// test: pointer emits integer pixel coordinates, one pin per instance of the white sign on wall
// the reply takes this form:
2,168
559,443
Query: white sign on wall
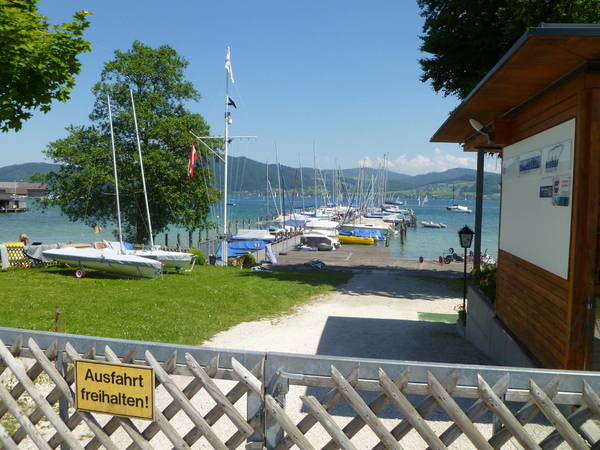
557,157
535,218
510,168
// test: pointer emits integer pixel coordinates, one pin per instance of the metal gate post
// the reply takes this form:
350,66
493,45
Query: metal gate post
276,386
63,403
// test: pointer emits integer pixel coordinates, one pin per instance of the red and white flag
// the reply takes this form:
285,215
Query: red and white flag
193,159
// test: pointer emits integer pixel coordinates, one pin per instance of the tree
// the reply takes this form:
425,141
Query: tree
38,61
81,185
466,38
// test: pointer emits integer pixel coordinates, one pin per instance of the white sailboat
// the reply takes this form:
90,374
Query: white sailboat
457,208
172,261
116,263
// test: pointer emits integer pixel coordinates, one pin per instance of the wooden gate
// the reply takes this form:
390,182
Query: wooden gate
223,399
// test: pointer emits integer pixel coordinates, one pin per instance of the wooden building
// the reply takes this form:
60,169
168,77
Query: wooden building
540,108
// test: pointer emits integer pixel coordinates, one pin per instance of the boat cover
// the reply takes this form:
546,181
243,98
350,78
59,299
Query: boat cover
245,235
237,248
35,251
361,232
107,261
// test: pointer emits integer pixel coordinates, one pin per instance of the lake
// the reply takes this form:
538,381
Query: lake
51,226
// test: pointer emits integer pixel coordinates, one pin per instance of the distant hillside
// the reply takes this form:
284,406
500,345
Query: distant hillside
22,172
247,175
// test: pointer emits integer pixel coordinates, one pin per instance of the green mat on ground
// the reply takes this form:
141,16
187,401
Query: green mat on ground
434,317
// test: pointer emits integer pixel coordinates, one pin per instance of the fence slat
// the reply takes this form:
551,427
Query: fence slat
426,407
475,412
329,401
409,412
37,415
526,415
454,411
247,378
505,416
34,372
38,398
556,418
22,418
377,405
364,411
220,399
185,404
173,408
6,441
317,410
63,387
288,426
15,350
216,413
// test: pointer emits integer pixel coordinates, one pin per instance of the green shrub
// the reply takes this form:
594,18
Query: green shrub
199,254
485,276
245,261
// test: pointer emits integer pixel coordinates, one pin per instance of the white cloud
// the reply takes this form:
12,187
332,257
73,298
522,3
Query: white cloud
438,162
365,162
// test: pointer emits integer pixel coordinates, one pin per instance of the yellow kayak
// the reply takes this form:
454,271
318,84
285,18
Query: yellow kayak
356,240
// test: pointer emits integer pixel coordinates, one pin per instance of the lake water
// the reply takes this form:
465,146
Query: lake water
51,226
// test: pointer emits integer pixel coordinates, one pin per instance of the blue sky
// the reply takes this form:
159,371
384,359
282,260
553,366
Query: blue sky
342,75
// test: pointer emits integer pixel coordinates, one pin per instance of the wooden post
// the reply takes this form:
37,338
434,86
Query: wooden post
191,240
243,224
199,236
166,240
249,224
229,228
217,230
178,242
207,232
401,237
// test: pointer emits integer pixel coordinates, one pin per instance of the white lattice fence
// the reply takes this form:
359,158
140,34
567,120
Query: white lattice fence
209,398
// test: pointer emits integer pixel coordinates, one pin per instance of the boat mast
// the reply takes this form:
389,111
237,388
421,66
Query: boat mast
301,183
227,122
137,135
268,192
315,162
112,140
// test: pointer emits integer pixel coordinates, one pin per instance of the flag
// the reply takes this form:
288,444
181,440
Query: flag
193,159
231,102
228,66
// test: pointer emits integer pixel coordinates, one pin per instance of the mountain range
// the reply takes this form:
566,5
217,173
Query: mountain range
250,176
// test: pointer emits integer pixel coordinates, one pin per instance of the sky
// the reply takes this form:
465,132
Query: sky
339,79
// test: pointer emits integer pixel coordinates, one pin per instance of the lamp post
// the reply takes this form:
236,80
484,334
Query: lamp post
465,236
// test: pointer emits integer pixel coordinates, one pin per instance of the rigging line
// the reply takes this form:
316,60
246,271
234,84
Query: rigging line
241,102
87,202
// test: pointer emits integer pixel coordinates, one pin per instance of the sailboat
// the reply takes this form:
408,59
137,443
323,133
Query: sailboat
121,263
457,208
175,261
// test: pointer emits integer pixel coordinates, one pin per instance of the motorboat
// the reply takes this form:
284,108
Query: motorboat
458,209
106,261
433,225
356,240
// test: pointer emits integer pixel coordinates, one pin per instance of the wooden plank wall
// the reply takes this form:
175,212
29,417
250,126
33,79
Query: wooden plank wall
532,302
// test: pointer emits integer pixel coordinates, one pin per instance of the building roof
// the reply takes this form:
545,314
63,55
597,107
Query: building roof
541,57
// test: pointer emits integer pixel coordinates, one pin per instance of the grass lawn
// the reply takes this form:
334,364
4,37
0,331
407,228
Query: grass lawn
179,308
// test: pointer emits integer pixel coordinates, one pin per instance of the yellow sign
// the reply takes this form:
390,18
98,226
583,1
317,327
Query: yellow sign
117,389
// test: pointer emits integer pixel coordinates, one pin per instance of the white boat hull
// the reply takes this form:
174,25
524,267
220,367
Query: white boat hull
106,261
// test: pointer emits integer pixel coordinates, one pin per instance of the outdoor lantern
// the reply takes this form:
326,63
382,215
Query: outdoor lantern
466,237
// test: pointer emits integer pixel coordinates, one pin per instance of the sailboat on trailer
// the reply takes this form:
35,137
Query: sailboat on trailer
121,263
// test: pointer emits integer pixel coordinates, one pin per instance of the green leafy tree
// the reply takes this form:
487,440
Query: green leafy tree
37,61
466,38
85,180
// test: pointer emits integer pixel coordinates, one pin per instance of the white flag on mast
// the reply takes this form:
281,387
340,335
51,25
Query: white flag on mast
228,65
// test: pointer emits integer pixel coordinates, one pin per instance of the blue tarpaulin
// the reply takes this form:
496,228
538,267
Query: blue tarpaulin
238,248
361,232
